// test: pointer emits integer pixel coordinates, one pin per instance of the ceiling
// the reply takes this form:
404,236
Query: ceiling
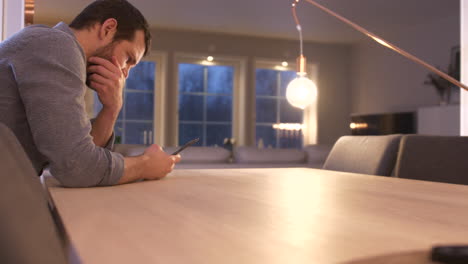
271,18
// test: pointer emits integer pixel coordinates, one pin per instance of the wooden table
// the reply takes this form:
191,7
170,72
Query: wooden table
293,215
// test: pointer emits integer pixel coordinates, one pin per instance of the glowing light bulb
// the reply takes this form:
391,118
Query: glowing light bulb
284,64
301,92
210,58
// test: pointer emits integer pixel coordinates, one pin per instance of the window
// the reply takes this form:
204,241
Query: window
205,103
273,108
136,121
271,81
134,124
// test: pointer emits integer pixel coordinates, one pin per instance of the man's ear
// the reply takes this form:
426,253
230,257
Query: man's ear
108,29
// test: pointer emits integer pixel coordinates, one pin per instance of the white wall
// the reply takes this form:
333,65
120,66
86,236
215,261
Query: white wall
384,81
464,67
333,62
12,18
1,20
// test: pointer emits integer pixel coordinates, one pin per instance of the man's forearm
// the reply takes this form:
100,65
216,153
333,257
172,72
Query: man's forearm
133,171
103,126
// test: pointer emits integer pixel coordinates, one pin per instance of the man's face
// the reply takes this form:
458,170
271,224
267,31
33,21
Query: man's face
127,53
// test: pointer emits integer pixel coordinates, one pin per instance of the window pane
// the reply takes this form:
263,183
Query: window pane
267,134
139,106
141,77
219,108
266,110
118,131
289,113
135,131
98,107
190,77
191,107
266,82
220,79
215,134
290,139
188,132
286,78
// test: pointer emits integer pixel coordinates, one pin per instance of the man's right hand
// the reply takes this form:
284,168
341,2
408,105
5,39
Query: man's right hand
152,165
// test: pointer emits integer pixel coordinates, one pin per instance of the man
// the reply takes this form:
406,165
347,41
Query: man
44,74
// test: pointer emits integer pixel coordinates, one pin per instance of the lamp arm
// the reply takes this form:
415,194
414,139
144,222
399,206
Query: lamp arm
298,26
387,44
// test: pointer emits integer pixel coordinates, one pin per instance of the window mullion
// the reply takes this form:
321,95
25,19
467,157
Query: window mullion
278,109
205,107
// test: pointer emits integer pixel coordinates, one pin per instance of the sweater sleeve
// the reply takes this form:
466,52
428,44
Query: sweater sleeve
51,80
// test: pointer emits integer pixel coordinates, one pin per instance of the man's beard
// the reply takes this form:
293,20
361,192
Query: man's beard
105,52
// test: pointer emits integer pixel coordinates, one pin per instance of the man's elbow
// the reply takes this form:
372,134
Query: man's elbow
76,178
85,170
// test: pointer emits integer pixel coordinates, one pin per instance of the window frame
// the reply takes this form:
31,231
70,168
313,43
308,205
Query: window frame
160,58
2,22
238,89
310,123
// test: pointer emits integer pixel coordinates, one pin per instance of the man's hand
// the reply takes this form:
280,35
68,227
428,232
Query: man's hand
107,79
154,164
158,163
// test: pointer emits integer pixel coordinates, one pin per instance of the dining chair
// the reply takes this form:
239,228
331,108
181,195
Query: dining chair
374,155
433,158
29,233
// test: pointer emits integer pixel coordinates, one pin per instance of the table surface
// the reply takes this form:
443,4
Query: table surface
293,215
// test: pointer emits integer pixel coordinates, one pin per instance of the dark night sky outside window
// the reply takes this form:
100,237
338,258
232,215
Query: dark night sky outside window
205,103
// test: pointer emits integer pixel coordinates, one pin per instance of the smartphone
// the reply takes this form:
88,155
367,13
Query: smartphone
450,254
191,142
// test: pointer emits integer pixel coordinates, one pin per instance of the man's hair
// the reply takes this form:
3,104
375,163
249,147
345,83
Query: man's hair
129,19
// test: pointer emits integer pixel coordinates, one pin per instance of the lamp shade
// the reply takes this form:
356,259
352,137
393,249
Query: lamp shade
301,92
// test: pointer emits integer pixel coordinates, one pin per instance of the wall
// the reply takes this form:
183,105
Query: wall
11,17
384,81
333,76
464,68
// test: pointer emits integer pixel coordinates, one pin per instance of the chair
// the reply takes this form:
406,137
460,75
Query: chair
28,231
317,155
433,158
374,155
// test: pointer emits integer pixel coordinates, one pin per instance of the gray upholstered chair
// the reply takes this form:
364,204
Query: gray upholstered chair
433,158
317,155
374,155
28,231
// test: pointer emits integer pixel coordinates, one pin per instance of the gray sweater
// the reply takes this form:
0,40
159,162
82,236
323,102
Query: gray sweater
42,88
